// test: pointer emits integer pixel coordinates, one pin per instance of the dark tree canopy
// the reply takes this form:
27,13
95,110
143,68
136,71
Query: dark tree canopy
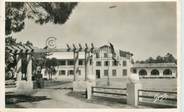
168,58
40,12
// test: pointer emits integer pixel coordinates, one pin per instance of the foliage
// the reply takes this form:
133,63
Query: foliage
50,65
38,58
168,58
40,12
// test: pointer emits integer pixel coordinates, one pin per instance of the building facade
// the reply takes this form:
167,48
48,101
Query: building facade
102,65
105,65
156,70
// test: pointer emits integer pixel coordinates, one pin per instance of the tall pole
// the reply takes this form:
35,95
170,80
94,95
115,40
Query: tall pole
29,67
74,69
108,77
76,60
19,68
86,65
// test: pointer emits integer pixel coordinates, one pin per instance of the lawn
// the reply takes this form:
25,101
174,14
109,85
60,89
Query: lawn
150,84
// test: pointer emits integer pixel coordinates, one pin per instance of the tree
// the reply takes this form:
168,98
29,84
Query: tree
10,59
150,60
169,58
40,12
159,59
50,66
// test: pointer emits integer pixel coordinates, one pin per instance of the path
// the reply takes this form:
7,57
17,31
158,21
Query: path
58,98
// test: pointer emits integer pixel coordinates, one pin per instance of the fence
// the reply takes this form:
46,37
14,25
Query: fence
160,98
104,90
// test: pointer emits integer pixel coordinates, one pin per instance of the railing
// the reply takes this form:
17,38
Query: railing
99,90
10,84
161,98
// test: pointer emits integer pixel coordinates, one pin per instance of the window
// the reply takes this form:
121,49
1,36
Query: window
91,61
62,72
98,74
106,63
124,72
113,72
142,72
98,63
167,72
154,72
70,72
80,62
106,72
105,55
124,63
70,62
115,63
62,62
97,55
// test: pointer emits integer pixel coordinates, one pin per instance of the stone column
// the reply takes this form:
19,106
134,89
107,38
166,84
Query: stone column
161,73
29,67
18,68
89,90
132,93
174,72
88,73
91,78
76,61
148,70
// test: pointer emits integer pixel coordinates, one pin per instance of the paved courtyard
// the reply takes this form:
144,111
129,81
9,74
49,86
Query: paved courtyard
56,97
62,96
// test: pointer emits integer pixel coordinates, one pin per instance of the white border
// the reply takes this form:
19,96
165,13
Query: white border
2,52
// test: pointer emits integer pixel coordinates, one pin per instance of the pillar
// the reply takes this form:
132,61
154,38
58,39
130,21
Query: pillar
76,61
89,90
161,72
18,68
88,66
132,93
148,72
29,67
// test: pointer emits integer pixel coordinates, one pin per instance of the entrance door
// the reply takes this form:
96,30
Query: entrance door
98,74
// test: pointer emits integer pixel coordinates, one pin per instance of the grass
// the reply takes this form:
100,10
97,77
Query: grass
150,84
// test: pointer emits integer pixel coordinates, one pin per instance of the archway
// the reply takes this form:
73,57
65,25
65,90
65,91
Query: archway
155,72
167,72
142,72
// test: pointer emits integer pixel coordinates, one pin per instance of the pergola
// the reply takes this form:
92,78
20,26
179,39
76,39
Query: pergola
18,50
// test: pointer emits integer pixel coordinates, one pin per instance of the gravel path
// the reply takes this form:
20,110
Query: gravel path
57,98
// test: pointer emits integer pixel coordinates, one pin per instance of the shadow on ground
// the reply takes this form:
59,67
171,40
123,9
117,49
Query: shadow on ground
107,101
114,102
11,100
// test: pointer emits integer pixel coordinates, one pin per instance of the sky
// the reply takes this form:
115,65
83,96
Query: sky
146,29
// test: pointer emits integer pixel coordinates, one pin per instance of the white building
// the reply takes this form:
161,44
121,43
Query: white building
101,64
156,70
104,65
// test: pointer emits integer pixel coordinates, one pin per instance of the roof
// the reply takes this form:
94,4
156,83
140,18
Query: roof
118,51
62,54
65,55
152,65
